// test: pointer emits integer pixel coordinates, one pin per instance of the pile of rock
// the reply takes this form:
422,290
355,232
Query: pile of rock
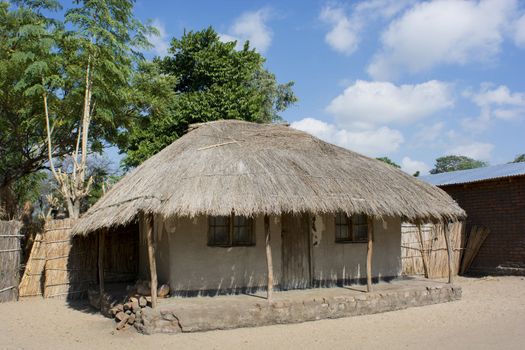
129,312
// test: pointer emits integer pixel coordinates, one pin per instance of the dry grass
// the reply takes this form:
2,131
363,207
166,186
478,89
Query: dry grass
271,169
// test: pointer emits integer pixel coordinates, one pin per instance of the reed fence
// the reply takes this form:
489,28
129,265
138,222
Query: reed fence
64,266
424,250
10,249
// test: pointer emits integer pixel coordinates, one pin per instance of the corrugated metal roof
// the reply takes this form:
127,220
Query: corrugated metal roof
475,175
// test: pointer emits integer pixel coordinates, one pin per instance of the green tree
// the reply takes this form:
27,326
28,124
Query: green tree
519,158
203,79
26,40
453,163
95,63
389,161
65,88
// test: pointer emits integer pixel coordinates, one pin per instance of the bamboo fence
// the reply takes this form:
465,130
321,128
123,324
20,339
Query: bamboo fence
9,260
424,250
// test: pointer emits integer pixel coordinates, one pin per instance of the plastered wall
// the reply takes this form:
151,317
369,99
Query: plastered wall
333,262
187,263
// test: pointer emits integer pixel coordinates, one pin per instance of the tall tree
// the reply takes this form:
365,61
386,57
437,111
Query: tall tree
453,163
207,80
91,86
27,37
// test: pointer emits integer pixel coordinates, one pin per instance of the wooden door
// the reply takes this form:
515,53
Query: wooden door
295,251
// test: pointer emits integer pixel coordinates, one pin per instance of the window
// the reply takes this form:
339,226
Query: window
351,229
230,231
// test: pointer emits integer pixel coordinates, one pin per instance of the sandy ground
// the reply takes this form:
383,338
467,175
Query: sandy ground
491,315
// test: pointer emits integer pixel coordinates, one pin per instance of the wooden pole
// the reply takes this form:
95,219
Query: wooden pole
446,232
269,263
423,251
101,244
369,255
151,258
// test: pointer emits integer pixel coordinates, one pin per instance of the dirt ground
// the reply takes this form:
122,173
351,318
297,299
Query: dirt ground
491,315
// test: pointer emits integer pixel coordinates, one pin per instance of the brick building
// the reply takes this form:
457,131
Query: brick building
493,197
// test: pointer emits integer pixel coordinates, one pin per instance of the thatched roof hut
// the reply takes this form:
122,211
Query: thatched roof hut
230,165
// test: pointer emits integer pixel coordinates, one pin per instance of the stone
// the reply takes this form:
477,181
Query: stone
122,324
193,317
143,302
163,291
143,288
121,316
131,319
135,306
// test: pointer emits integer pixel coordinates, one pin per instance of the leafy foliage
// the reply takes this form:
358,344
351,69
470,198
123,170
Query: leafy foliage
27,38
519,158
389,161
203,79
42,55
453,163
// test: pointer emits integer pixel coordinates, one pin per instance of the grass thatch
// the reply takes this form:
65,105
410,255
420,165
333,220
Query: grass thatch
252,168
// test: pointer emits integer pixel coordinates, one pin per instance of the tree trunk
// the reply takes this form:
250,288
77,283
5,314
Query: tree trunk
8,203
101,244
446,232
151,258
269,263
73,208
369,255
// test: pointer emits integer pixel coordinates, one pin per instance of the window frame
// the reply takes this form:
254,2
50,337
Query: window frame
249,222
351,225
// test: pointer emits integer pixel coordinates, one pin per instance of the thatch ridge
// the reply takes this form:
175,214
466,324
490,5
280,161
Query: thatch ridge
253,169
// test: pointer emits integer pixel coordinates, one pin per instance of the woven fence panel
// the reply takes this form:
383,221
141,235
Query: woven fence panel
70,261
9,260
431,244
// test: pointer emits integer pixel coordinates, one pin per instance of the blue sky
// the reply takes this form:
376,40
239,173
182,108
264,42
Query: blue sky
405,79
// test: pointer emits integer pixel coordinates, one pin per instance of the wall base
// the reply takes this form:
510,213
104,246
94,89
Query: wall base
204,314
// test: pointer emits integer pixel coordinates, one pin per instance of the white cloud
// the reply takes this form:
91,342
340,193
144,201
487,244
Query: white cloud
382,8
442,32
429,133
411,166
251,26
372,103
500,96
476,150
344,35
375,142
161,42
497,102
519,34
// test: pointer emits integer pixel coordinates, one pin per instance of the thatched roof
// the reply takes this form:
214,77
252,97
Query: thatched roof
253,169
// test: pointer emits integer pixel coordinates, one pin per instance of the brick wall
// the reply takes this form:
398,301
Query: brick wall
500,206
